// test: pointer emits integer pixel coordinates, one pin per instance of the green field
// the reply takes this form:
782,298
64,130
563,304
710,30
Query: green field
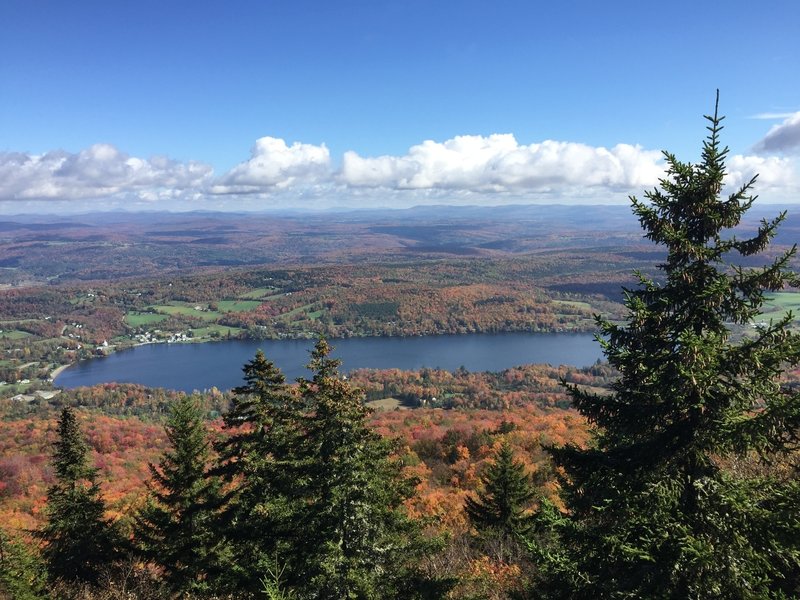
137,319
777,304
574,303
237,305
387,404
296,312
14,335
258,293
187,311
221,331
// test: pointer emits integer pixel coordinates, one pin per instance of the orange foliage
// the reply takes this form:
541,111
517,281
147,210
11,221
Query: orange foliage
120,448
447,450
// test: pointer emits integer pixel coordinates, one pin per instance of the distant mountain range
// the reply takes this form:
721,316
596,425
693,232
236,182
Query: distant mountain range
38,248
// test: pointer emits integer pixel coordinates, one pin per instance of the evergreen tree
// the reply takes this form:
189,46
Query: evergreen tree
21,571
354,539
174,529
79,540
499,511
655,510
315,496
256,459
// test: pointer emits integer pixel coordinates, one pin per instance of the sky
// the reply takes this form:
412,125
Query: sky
301,104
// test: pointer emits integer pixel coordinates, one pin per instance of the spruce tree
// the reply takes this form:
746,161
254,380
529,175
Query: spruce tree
257,461
175,528
655,509
79,541
354,539
500,509
21,571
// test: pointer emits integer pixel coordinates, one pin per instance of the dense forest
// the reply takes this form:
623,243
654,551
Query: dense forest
669,472
437,456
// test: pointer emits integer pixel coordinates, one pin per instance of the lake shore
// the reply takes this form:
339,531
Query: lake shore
58,370
187,367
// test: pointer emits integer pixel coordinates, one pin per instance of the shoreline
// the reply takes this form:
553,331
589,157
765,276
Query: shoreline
177,368
113,349
57,371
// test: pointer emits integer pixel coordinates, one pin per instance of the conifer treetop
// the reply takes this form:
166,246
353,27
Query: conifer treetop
654,508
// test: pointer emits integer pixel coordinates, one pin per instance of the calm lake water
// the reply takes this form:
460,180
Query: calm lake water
202,366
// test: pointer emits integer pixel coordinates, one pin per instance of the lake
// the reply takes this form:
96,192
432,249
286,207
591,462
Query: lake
219,364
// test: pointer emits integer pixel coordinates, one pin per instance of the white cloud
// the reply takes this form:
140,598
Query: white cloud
776,175
782,138
274,165
771,116
498,163
100,171
469,169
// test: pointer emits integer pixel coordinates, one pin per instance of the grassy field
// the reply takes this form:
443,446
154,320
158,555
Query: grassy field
237,305
137,319
14,334
779,303
11,389
187,311
258,293
295,312
387,404
573,304
219,330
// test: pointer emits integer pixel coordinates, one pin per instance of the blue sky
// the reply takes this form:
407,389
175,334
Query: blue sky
311,104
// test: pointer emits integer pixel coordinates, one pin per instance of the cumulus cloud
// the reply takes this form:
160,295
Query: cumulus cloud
784,137
774,173
468,169
274,165
97,172
498,163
